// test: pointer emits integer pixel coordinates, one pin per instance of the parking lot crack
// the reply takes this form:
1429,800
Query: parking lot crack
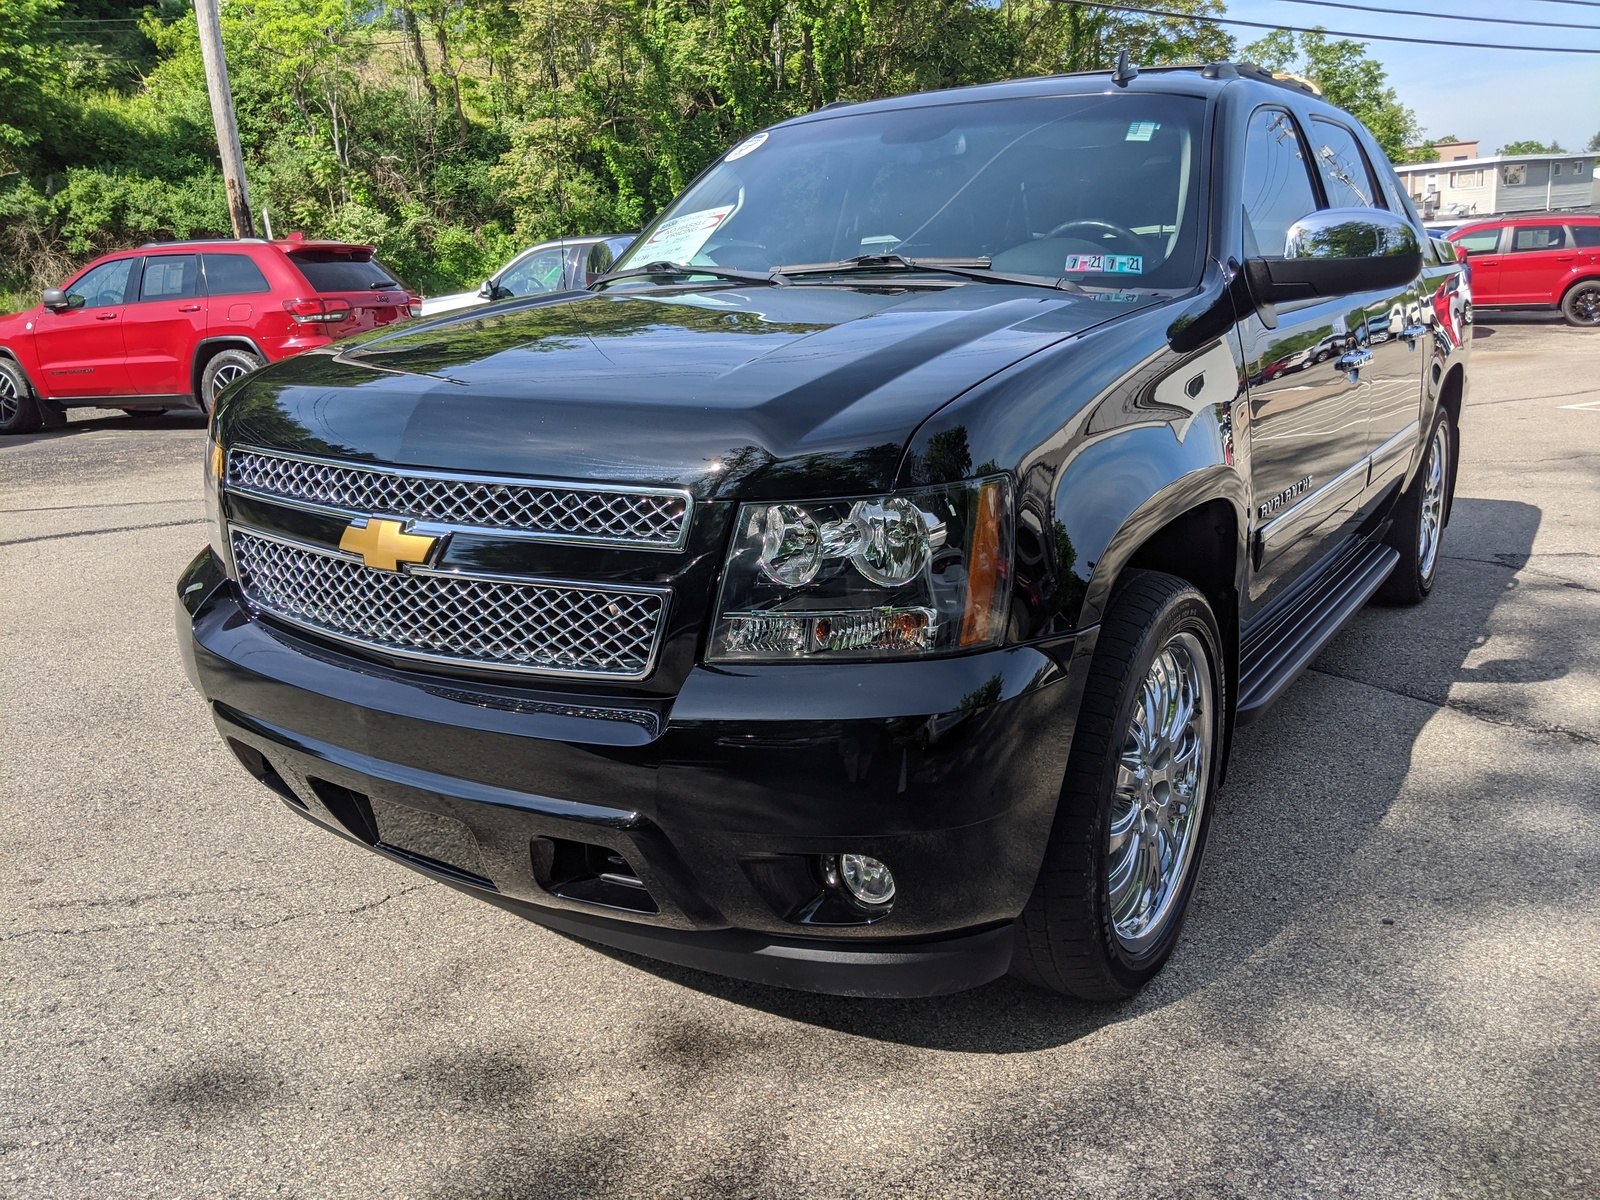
1477,712
1519,563
77,533
230,922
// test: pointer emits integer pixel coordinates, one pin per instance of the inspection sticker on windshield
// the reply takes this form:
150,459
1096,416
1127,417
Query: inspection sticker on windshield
680,239
1106,264
1142,131
745,147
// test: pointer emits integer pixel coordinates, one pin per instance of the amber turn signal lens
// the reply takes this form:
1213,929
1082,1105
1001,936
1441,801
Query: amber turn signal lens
984,573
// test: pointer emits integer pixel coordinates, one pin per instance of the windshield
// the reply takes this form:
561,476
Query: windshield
1099,189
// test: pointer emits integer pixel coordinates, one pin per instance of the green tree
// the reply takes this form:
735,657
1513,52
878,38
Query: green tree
1594,143
1348,78
1532,147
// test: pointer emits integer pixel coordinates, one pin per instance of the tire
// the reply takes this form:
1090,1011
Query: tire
1581,305
1085,930
1419,519
223,368
21,410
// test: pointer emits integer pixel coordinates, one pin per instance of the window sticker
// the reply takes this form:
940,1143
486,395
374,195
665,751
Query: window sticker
1114,297
882,243
1106,264
680,239
745,147
1142,131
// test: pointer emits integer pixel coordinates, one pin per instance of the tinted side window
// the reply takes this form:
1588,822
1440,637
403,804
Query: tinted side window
1484,241
1537,237
1277,184
1343,166
1587,236
170,277
233,275
102,287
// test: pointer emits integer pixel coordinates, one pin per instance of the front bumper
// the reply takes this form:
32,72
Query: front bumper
719,799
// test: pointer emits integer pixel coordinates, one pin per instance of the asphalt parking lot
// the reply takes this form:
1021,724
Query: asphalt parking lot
1390,988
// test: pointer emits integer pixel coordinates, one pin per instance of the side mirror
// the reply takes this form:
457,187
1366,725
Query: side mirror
487,291
1338,252
56,300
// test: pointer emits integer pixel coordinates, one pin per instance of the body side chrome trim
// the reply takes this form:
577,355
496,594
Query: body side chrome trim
1280,532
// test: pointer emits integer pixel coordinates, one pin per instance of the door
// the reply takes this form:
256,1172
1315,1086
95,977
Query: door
1307,414
1537,258
164,324
1393,351
80,348
1483,255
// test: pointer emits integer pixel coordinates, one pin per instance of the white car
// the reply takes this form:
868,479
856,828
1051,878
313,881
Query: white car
547,267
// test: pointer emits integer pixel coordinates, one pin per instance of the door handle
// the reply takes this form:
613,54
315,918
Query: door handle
188,308
1352,362
111,316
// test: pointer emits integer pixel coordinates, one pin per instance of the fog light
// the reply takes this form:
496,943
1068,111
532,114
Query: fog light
867,879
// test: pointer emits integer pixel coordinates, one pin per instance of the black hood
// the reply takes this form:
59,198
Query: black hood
734,392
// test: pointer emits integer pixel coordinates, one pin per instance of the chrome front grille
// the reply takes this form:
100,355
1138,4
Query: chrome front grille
645,518
454,619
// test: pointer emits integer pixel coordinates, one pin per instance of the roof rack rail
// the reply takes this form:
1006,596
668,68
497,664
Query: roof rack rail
1296,83
203,242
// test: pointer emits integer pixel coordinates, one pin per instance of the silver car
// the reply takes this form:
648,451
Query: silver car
547,267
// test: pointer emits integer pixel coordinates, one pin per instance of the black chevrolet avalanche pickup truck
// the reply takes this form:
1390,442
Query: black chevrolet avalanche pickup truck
857,588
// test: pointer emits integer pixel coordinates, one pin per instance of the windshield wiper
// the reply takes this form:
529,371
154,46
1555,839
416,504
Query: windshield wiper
672,270
978,269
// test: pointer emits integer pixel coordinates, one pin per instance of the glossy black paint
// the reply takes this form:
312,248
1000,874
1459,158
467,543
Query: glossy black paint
1134,428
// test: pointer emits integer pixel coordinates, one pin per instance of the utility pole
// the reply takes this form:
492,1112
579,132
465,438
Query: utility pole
222,115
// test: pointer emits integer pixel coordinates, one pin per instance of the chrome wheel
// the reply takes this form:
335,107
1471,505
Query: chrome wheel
10,400
1162,779
1431,517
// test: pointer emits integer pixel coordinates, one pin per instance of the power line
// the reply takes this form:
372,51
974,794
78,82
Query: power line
1342,33
1404,12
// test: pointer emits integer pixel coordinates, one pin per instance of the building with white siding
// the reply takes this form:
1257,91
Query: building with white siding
1509,183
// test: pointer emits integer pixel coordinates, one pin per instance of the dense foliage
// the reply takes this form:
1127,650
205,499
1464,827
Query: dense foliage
451,133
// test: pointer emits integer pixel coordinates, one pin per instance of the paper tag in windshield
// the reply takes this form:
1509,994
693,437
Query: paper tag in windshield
1142,131
1106,264
680,239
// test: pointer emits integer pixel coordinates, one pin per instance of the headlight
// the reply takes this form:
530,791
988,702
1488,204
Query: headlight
915,573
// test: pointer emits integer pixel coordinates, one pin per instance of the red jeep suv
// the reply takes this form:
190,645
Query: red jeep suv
171,324
1546,260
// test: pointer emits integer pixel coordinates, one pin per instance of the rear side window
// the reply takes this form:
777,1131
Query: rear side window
1277,184
335,271
1587,236
170,277
1537,237
233,275
1343,166
1484,241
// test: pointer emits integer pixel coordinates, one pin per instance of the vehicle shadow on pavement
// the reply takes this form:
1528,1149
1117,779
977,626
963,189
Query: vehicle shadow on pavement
1306,792
97,420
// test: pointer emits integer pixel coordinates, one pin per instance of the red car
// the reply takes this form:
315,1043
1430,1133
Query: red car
171,324
1547,260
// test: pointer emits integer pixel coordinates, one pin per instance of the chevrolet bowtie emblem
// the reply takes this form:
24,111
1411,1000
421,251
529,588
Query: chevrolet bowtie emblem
384,545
